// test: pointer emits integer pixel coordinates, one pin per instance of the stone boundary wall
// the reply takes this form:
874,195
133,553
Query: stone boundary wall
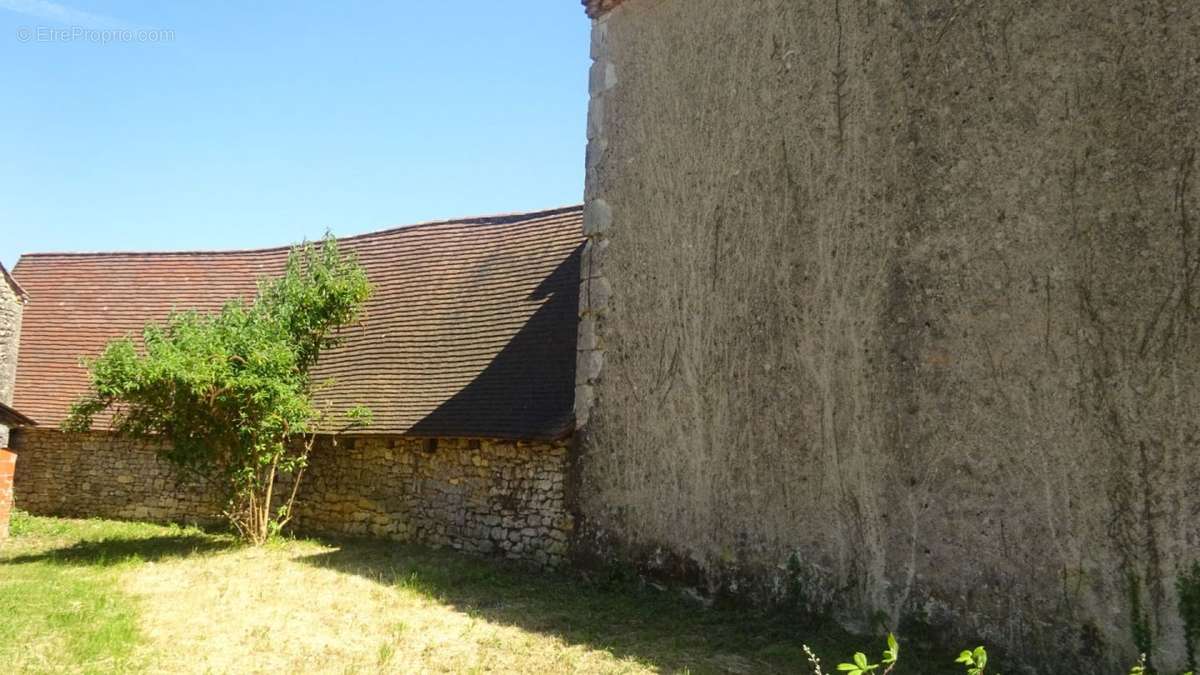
98,475
489,497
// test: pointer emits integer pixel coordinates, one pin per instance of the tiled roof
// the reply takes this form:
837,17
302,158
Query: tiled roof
470,331
597,7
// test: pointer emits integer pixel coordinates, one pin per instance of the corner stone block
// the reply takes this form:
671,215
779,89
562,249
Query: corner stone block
597,217
593,258
595,118
587,334
588,365
599,47
601,77
594,295
584,396
594,153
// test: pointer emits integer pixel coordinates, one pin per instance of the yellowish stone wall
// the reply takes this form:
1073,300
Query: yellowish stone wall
490,497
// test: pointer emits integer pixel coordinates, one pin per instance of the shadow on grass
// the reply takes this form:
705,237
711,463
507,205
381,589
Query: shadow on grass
655,627
117,550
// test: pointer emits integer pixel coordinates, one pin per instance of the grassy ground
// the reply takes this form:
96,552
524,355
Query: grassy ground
101,596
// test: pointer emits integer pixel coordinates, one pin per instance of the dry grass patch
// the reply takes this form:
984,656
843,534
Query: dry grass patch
97,596
268,610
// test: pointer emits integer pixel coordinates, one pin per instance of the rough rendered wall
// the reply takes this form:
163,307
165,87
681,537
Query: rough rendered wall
10,336
908,291
494,497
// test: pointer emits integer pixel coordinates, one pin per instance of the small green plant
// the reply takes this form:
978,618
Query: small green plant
1188,588
861,665
1139,620
975,660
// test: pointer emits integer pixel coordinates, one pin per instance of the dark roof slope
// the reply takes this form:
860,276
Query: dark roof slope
470,332
12,418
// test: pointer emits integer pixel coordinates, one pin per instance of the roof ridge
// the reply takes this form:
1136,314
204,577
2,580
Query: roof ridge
489,219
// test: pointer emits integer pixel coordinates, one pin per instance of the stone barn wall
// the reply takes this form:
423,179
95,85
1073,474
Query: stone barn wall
98,476
10,336
493,497
490,497
906,294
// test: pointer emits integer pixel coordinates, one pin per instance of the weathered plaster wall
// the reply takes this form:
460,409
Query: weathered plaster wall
10,336
907,291
491,497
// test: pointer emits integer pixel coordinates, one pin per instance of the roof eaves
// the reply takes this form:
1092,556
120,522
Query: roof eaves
11,417
13,284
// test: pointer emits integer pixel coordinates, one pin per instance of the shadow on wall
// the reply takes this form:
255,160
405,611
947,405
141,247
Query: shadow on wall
528,390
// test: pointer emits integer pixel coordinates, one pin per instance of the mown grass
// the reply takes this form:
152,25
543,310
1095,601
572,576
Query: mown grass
99,596
60,606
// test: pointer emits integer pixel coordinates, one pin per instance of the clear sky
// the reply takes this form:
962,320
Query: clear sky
262,123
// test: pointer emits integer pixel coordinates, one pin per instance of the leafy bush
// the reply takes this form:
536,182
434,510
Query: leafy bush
231,391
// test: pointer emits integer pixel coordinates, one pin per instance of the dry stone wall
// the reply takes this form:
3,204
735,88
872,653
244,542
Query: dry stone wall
501,498
98,475
491,497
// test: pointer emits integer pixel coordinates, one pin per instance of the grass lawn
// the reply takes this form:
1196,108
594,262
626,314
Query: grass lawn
102,596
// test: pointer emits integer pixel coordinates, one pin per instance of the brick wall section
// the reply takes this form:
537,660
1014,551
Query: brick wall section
8,462
490,497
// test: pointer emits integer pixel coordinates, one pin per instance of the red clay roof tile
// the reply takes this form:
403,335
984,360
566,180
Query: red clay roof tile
470,332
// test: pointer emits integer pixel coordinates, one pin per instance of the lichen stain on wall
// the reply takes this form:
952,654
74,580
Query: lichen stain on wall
909,290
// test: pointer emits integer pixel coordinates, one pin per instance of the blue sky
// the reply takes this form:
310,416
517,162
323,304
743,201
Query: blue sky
262,123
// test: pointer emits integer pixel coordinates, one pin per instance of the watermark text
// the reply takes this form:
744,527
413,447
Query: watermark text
101,36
